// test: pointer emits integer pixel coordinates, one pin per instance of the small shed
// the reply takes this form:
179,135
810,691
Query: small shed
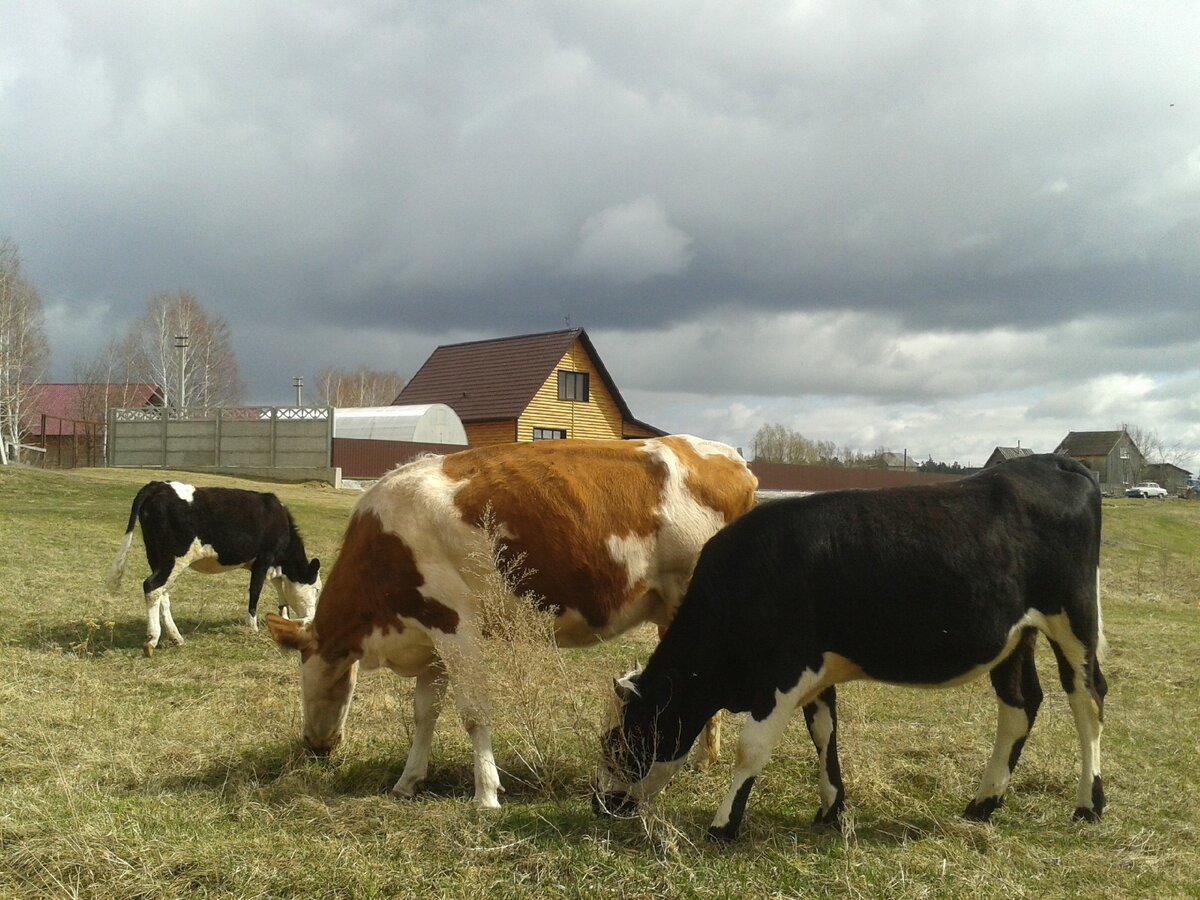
430,423
1001,454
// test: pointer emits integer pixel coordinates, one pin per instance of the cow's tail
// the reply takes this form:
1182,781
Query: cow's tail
117,570
1101,641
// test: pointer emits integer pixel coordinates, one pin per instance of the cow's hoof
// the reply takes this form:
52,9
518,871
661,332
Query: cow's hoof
830,818
406,791
1083,814
981,810
725,834
147,650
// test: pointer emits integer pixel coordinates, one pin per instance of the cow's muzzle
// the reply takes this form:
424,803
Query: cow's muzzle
321,750
613,804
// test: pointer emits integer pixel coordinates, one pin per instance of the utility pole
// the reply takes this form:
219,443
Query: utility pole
181,343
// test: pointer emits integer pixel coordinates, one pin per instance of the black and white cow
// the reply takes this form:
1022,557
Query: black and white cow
922,586
215,530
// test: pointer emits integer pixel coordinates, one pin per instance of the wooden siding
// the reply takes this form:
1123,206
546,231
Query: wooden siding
630,430
598,420
482,433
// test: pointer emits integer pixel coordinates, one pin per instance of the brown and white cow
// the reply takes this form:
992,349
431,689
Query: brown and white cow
609,532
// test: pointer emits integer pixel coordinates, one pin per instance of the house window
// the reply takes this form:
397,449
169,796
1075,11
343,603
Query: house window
549,434
1124,453
573,386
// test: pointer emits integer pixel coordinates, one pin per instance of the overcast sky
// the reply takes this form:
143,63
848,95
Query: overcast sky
938,227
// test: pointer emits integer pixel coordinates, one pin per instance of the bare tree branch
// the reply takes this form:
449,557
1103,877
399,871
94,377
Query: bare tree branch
361,387
24,349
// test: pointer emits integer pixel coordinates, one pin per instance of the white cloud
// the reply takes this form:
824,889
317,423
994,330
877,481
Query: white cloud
630,243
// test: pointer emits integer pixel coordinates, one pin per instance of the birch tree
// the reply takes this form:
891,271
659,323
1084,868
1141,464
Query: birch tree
361,387
24,350
210,370
105,381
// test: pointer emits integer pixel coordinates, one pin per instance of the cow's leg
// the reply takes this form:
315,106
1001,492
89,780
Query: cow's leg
258,577
1018,695
168,619
759,738
462,654
277,584
708,748
427,704
156,590
821,718
1079,671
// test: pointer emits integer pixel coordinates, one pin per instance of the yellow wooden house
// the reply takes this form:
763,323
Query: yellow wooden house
527,388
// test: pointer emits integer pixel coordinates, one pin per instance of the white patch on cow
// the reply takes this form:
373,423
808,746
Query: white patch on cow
407,651
299,597
664,561
203,558
660,773
822,732
634,552
186,492
707,448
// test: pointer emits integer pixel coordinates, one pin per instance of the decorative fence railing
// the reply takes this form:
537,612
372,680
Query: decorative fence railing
267,437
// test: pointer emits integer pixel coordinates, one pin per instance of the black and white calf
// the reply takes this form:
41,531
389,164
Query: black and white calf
923,586
215,530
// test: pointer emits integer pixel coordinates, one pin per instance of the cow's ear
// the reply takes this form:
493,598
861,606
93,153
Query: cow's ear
289,634
625,687
314,568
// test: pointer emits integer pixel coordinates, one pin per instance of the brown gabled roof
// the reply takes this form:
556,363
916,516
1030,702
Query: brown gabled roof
1089,443
494,380
1011,452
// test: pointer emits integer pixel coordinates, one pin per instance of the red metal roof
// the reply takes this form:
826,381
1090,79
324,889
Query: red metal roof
64,402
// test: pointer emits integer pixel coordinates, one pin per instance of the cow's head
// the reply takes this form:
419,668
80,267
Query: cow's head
326,688
300,591
629,741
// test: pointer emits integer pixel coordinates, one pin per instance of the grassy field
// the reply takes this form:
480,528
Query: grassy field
182,775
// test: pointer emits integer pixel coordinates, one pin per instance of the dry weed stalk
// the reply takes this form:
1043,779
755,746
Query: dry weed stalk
527,679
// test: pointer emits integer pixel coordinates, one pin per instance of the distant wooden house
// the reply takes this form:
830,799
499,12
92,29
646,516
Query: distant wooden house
1168,475
1000,454
527,388
893,461
1113,457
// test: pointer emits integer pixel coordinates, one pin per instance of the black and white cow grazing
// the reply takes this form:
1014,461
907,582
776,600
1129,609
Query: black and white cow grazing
923,586
214,530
